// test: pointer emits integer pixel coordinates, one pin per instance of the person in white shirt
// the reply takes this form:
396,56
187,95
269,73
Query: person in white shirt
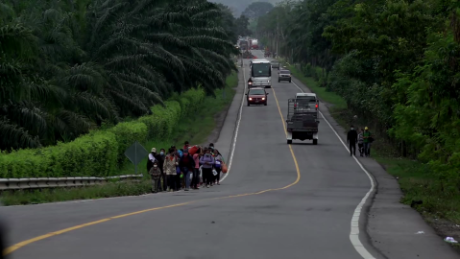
152,159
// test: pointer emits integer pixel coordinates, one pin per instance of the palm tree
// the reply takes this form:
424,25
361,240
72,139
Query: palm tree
67,67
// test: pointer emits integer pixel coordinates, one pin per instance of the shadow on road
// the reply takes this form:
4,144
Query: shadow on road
303,144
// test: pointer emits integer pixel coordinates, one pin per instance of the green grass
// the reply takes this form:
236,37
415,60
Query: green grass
419,183
111,189
416,180
195,129
329,97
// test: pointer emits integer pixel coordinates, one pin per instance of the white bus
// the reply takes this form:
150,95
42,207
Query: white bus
261,73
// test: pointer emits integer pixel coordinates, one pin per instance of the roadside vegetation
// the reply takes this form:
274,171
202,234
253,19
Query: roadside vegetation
82,80
394,64
187,129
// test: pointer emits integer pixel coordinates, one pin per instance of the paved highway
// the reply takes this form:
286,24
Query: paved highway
278,201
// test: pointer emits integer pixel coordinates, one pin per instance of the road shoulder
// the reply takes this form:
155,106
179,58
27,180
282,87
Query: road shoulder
224,142
391,227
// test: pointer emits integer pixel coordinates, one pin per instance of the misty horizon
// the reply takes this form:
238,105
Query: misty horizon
238,6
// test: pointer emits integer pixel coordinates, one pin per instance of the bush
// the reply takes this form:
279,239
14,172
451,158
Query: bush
308,70
196,98
101,152
126,134
94,154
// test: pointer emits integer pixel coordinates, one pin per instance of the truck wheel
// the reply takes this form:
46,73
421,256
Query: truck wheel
289,141
315,142
279,81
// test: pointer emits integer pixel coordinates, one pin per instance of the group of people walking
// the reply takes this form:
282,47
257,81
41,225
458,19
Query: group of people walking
190,167
363,138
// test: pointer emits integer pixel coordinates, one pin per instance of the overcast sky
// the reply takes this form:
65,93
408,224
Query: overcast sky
238,6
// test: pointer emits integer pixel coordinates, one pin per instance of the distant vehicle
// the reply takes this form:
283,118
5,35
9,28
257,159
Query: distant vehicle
261,73
284,75
244,45
301,123
257,95
275,64
254,44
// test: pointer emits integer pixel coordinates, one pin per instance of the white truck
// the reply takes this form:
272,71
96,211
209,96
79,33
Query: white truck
254,44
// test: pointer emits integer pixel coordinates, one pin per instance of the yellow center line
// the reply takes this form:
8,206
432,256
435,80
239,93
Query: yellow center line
19,245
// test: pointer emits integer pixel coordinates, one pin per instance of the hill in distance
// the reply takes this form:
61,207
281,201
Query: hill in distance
238,6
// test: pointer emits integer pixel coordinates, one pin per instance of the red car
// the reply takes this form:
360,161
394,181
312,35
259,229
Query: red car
257,95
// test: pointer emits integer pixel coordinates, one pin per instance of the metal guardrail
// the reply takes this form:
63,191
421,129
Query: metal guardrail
49,182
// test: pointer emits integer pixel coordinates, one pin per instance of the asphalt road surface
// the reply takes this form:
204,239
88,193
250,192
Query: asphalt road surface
278,201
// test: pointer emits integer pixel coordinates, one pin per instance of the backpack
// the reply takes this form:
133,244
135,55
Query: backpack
181,153
218,164
185,160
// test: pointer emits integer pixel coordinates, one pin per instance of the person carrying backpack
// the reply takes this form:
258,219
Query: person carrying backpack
218,166
360,142
367,136
207,161
187,164
169,168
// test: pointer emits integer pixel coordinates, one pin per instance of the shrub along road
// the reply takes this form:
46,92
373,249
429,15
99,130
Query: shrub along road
278,201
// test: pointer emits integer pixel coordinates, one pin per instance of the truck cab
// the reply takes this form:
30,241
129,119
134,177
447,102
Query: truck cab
307,103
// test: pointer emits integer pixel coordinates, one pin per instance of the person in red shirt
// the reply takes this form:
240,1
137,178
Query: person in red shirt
186,146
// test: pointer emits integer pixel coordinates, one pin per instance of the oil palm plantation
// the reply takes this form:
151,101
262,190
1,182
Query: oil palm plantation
68,67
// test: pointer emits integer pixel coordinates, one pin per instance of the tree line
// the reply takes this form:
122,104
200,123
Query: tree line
67,67
396,63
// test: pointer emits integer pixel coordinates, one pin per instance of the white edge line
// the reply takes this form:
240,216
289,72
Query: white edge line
232,152
354,232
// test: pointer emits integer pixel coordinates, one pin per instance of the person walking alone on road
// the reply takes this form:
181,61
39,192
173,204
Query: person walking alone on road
352,137
187,164
169,169
218,166
367,141
196,170
360,141
207,161
155,173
